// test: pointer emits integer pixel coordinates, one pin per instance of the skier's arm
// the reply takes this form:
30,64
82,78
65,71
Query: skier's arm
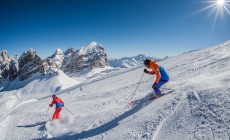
62,102
52,103
151,72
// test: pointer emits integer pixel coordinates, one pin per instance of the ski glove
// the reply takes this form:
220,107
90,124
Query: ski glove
50,105
145,70
154,85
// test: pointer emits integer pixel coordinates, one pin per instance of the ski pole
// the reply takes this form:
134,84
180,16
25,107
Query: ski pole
47,111
137,85
69,111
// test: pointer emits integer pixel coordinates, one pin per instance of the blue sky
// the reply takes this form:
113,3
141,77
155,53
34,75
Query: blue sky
124,27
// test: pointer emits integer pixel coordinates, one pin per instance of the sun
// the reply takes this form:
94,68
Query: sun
220,2
218,8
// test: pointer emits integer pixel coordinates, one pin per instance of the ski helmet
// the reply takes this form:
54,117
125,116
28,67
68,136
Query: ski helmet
146,62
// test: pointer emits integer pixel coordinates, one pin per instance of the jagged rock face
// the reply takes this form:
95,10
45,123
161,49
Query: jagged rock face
8,66
70,61
91,56
4,56
14,69
4,64
29,63
55,61
69,52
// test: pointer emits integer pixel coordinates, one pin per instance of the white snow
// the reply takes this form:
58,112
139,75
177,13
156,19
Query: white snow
198,109
91,74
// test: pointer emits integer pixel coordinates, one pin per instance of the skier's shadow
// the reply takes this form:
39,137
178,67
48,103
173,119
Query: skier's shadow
107,126
32,125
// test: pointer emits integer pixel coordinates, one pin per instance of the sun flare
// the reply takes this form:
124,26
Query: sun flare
218,8
220,2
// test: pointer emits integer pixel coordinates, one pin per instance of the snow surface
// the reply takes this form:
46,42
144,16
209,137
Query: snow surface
92,74
198,109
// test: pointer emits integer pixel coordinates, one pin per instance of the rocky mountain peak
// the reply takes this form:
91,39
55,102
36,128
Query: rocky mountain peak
70,61
90,56
29,63
4,55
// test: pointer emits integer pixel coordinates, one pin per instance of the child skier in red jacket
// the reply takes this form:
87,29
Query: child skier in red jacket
59,104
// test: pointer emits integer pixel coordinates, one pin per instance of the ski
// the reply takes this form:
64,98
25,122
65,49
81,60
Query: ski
151,97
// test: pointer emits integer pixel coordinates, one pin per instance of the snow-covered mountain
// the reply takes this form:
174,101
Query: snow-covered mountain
70,61
24,67
126,62
88,57
9,66
197,109
57,58
68,54
29,64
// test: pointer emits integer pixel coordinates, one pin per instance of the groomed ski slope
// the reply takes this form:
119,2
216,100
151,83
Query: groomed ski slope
198,109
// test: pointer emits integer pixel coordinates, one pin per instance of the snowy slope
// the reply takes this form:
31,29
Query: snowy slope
92,74
198,109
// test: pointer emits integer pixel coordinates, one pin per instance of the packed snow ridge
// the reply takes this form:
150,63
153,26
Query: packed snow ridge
198,108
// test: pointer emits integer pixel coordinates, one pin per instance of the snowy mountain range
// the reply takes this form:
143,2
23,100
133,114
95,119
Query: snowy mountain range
197,107
70,61
126,62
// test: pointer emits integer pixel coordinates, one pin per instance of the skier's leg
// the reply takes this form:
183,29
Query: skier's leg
58,113
157,91
161,82
157,88
55,114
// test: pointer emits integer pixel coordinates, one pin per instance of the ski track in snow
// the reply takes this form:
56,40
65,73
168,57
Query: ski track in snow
14,117
198,109
33,100
17,106
165,119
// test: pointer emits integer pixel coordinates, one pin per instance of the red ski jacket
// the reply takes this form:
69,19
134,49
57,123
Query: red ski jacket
58,102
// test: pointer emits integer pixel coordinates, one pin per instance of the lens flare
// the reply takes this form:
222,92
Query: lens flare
218,8
220,2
